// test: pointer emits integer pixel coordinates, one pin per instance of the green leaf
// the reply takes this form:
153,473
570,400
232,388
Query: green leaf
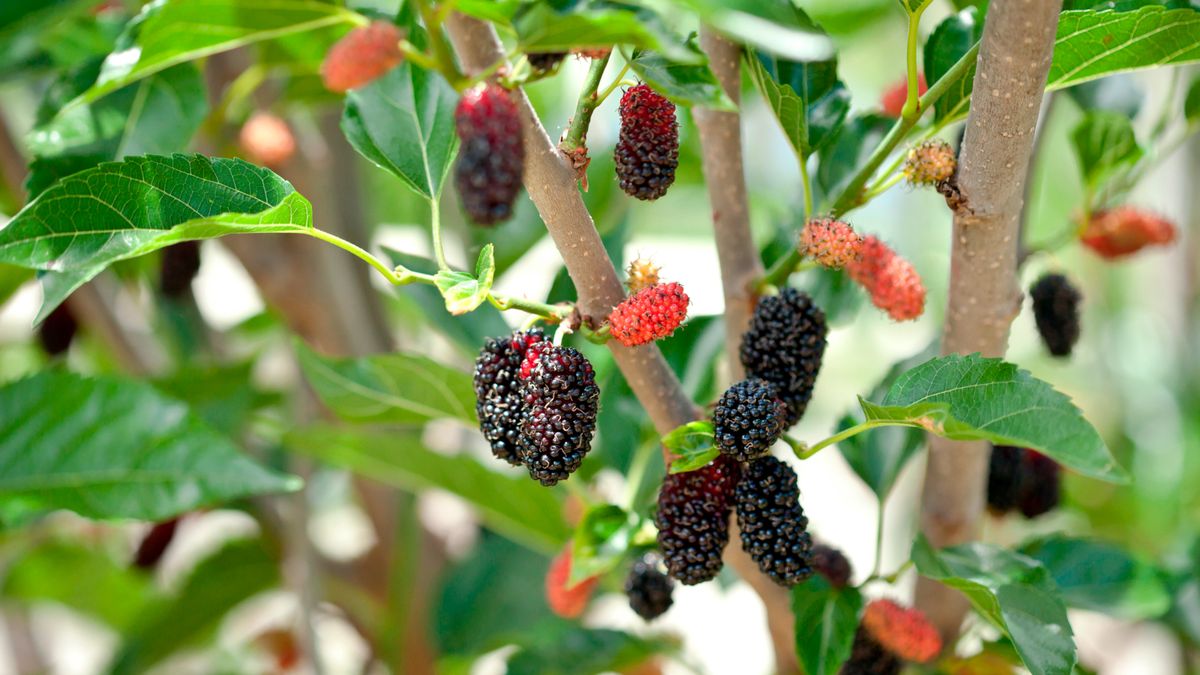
1117,93
222,395
1092,44
498,11
120,210
1103,142
389,388
826,620
684,83
170,33
947,44
559,27
974,398
848,150
601,541
233,574
568,649
513,505
157,115
1191,103
777,26
11,279
404,123
807,98
1014,593
110,448
693,443
87,580
1102,577
462,291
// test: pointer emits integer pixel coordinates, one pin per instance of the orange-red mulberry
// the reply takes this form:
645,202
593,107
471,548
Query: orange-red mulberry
652,313
362,56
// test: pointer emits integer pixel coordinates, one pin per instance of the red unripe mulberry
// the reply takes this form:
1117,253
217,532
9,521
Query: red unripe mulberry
892,101
267,139
647,151
362,56
831,243
893,283
907,633
652,313
567,601
491,158
1124,230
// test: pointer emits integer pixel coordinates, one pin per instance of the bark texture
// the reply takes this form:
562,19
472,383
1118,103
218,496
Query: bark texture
1014,57
741,266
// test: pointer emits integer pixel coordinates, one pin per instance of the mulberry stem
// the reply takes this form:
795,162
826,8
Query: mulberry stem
588,102
805,452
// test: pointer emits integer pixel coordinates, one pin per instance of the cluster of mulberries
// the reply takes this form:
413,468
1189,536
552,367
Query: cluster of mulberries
58,330
1056,312
1022,479
771,521
565,600
693,519
544,62
892,282
536,403
784,346
832,564
362,56
648,589
889,635
267,139
1125,230
930,163
491,157
647,150
650,314
748,419
892,101
830,242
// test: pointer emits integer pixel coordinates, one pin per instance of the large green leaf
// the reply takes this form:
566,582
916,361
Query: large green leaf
1092,44
1013,592
87,580
157,115
1102,577
778,26
121,210
24,24
111,448
684,83
842,157
1104,142
389,388
404,123
973,398
513,505
170,32
808,99
952,39
602,539
826,620
548,27
239,570
567,649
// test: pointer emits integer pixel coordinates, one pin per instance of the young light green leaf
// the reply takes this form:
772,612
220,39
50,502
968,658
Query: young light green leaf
120,210
1102,577
157,116
807,98
684,83
111,448
1095,43
551,27
693,443
601,540
239,570
948,43
513,505
826,620
170,33
464,292
1103,142
973,398
389,388
404,123
1014,593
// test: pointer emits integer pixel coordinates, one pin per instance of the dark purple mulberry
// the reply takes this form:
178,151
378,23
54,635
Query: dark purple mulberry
693,520
868,657
559,415
1004,478
748,419
491,158
785,345
832,564
544,62
773,526
1041,486
648,589
1056,312
179,266
647,151
498,399
58,330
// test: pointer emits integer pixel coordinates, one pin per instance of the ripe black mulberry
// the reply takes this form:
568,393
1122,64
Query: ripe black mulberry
498,399
693,520
648,589
748,419
558,419
491,158
1056,311
785,345
772,523
647,150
